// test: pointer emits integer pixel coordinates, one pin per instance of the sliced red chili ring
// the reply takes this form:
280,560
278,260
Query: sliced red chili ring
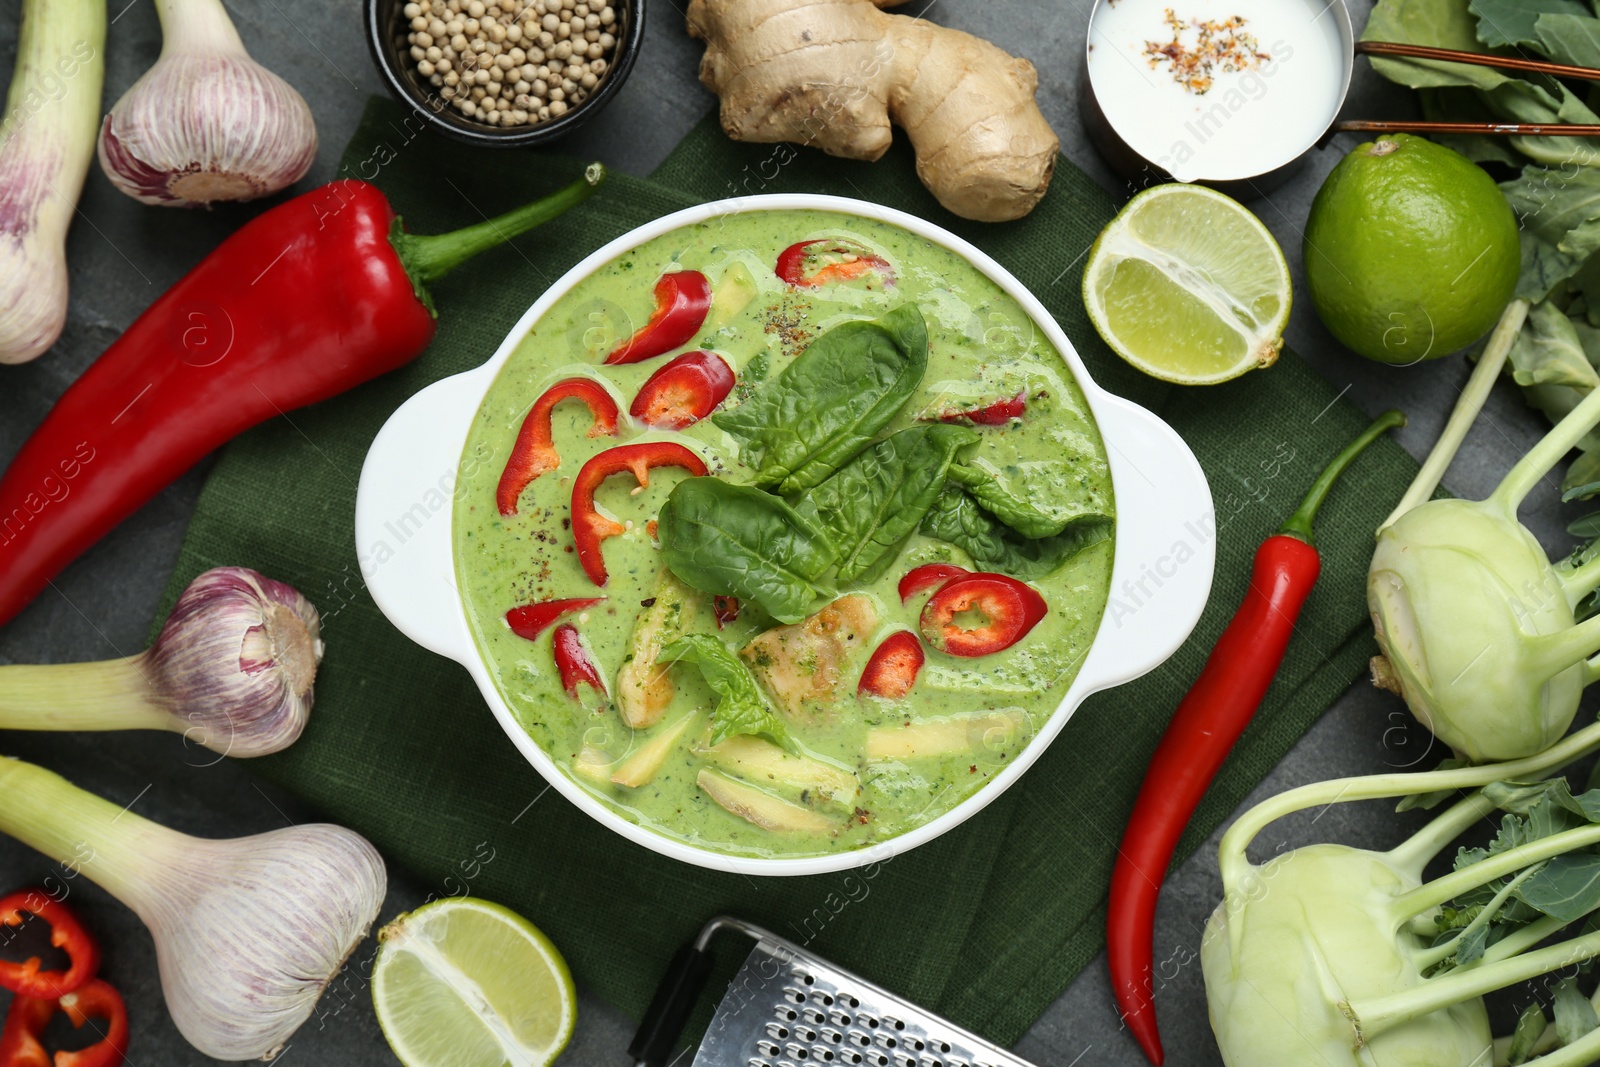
892,670
794,261
682,300
574,663
531,620
589,527
1008,610
21,1043
997,413
684,391
67,933
535,451
928,576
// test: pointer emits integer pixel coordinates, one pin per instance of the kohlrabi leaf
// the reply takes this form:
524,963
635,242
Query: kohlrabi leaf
1568,888
1582,479
1507,23
1568,37
1575,1015
1548,352
1530,1027
1558,209
741,706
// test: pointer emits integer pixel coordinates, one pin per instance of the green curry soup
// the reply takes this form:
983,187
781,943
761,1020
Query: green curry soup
854,770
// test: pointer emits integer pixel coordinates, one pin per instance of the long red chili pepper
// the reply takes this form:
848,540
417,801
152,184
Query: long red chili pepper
535,449
855,261
682,300
684,391
306,300
531,620
589,527
66,933
21,1042
574,663
1208,721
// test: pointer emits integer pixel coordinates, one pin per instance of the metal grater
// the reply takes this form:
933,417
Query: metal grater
788,1008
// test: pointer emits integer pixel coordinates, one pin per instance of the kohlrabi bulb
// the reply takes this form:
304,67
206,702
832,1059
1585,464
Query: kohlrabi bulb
1476,629
1285,954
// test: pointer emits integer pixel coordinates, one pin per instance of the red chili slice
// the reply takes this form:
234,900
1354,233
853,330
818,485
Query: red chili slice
531,620
682,300
998,413
574,662
684,391
589,527
21,1043
1009,609
892,670
535,451
794,261
725,609
928,576
66,933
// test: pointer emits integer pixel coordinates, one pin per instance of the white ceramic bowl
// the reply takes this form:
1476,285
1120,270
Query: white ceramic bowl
1159,583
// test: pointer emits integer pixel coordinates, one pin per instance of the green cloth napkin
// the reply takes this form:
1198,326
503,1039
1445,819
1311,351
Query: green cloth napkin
988,923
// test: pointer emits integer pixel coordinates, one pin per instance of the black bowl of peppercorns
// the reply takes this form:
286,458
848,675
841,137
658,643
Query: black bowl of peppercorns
504,72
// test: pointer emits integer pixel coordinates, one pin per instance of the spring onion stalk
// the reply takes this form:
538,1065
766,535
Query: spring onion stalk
46,142
248,931
1342,956
231,670
1479,631
207,122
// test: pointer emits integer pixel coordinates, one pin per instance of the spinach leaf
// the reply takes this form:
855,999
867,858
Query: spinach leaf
735,540
832,400
958,518
875,501
741,706
1030,515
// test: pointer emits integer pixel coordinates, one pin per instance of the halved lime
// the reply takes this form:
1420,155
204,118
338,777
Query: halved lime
1188,286
462,982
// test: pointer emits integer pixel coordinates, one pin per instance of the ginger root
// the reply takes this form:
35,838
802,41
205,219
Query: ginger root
833,74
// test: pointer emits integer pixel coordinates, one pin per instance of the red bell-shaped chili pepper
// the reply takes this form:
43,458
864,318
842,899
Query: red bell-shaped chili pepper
305,301
535,451
589,527
682,300
892,670
67,933
531,620
21,1043
684,391
1009,608
997,413
809,264
1210,718
928,576
574,663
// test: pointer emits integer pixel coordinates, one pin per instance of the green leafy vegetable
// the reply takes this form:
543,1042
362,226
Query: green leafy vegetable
1045,512
1508,23
741,706
958,518
735,540
1530,1027
1575,1016
876,500
832,400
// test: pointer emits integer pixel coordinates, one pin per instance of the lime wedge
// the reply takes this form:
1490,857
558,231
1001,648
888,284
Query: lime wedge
465,983
1188,286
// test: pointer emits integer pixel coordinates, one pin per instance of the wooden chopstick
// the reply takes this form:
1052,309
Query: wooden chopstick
1451,55
1477,59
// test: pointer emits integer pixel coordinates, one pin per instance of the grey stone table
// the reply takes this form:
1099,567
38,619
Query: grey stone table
123,255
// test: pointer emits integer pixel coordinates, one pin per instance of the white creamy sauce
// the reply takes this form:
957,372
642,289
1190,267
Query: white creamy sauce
1249,121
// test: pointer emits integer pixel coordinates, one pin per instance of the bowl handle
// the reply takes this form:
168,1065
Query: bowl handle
1166,545
404,507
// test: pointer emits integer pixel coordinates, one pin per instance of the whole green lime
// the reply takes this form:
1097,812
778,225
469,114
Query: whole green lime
1411,250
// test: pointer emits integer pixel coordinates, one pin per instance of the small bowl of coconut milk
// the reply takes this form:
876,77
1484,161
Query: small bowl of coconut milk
1228,93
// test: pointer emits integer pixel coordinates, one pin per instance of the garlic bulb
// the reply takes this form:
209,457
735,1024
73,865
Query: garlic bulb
207,122
249,931
232,670
46,142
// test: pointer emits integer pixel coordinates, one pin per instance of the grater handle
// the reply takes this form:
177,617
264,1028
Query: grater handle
669,1009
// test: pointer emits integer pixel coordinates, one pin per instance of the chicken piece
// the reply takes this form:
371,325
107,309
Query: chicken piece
644,687
803,663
